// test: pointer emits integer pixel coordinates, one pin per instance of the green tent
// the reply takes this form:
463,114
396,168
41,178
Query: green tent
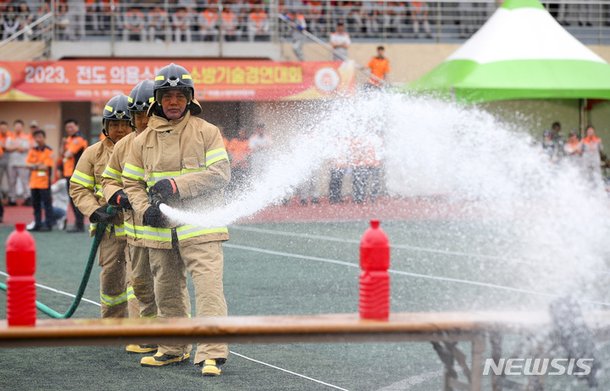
521,52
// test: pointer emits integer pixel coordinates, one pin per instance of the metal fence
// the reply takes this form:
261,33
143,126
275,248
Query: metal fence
234,20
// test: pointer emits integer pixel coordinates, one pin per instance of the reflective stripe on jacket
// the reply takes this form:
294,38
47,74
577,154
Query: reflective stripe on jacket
86,184
189,150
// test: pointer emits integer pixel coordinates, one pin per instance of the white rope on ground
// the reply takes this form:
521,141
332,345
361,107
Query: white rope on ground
290,372
533,262
231,351
417,275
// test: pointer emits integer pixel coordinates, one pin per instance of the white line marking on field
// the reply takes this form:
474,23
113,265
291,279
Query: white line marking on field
408,383
232,352
400,272
529,262
290,372
48,288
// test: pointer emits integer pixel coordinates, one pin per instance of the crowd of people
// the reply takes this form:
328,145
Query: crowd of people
586,152
30,172
190,20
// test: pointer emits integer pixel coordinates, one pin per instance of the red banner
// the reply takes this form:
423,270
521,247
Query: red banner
91,80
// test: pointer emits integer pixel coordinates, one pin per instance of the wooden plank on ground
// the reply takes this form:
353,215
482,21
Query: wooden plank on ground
435,326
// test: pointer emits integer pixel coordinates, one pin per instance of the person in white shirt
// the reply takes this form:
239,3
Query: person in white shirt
340,42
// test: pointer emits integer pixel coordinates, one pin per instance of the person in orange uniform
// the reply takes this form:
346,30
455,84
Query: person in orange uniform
73,147
379,67
40,162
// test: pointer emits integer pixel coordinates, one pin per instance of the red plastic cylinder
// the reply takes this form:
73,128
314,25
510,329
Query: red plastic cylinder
21,285
374,278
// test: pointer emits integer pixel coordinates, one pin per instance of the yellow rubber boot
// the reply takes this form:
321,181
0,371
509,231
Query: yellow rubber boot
211,368
161,359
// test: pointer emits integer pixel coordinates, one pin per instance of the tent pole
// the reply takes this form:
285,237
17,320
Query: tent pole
582,103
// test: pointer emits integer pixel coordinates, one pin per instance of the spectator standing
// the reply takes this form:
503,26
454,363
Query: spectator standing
26,18
10,22
258,25
208,24
419,15
340,41
229,24
76,13
73,147
157,23
18,146
553,143
592,149
239,151
181,23
379,67
63,21
298,25
573,147
40,162
59,196
4,136
134,25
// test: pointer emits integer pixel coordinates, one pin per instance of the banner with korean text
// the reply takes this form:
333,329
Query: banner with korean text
99,80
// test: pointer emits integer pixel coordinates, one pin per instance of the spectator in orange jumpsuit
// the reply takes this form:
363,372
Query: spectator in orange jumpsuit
379,67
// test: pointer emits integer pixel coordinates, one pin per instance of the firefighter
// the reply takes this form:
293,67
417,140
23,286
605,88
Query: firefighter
180,160
139,100
86,192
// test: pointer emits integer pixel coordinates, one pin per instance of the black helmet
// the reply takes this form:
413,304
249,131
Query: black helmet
116,108
141,97
174,76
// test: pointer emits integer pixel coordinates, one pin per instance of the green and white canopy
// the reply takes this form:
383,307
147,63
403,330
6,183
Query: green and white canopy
521,52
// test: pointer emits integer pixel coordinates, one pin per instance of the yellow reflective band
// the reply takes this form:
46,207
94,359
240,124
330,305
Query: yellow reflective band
215,155
160,77
133,172
129,99
187,76
82,179
119,230
157,176
111,301
151,99
149,233
108,108
130,293
111,173
191,231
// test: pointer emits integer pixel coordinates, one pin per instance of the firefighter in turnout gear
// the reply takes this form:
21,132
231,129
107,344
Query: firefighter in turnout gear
181,161
86,192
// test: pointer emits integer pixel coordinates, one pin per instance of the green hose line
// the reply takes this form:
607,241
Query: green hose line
99,234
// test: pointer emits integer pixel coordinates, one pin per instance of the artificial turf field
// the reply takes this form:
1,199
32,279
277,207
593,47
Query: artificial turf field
294,268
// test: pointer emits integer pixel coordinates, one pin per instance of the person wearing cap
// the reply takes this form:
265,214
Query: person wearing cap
141,278
86,192
181,161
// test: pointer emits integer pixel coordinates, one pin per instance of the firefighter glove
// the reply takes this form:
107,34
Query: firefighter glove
154,217
165,190
101,215
120,199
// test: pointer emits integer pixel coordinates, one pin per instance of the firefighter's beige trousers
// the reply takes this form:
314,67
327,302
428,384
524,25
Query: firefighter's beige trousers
142,281
116,296
204,262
